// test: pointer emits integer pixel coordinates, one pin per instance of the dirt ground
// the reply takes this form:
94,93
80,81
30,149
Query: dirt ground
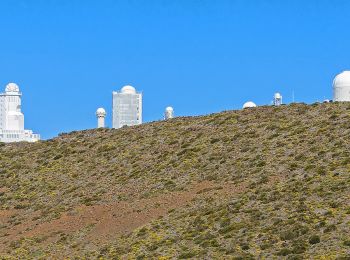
108,220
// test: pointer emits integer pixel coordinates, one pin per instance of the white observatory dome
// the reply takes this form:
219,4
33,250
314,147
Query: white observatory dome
100,112
128,90
249,104
341,87
12,87
277,95
169,113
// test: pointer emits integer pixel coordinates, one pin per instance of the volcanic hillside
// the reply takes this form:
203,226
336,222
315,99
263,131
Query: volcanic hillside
268,182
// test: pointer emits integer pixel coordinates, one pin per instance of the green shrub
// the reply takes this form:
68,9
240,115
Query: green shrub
284,252
314,239
186,255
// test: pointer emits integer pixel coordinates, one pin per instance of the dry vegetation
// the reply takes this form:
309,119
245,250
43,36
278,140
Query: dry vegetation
270,182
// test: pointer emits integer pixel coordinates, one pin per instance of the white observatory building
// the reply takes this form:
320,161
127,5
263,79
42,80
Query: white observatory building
127,107
101,116
169,113
277,99
12,118
341,87
249,104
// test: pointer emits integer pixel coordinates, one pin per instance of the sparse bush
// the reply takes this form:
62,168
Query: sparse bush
314,239
284,252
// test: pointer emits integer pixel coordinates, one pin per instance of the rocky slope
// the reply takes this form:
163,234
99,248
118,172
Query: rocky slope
268,182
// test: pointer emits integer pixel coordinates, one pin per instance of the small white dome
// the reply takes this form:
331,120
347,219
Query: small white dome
341,87
128,90
101,112
12,87
249,104
169,113
277,95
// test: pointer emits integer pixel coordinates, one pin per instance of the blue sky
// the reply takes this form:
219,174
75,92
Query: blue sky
200,56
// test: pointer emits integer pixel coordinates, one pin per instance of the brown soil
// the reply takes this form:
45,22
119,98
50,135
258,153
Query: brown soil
113,219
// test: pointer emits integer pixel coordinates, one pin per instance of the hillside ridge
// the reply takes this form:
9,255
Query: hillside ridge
267,182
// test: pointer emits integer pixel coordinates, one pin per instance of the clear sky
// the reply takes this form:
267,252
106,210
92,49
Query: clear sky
199,56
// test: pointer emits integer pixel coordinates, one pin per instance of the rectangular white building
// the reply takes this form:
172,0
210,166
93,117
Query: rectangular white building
12,118
10,136
127,107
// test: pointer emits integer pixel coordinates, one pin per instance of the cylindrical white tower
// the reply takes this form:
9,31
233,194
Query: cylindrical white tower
13,116
169,113
101,115
249,104
341,87
277,99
